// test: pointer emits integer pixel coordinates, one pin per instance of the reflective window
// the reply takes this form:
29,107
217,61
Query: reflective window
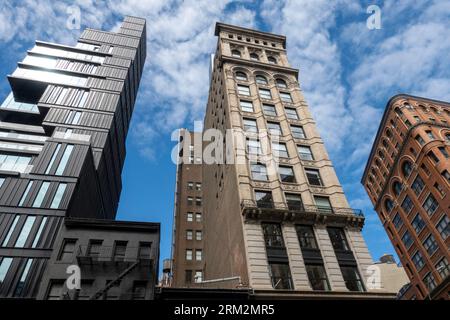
11,103
306,237
50,77
41,194
305,153
39,232
10,232
58,195
285,96
64,160
23,278
261,79
259,172
298,132
265,94
243,90
241,76
338,239
25,232
4,267
286,174
17,163
269,110
25,194
274,128
280,150
317,277
250,125
443,227
291,113
52,160
67,54
246,106
281,83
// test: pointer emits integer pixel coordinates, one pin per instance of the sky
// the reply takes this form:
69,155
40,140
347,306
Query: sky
348,72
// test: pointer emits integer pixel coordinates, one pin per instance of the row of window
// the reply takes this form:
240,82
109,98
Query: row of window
190,201
317,276
274,128
95,249
25,231
11,103
190,235
264,199
198,186
198,276
266,94
5,265
286,174
253,56
190,217
279,150
430,205
198,254
37,203
249,39
260,79
268,109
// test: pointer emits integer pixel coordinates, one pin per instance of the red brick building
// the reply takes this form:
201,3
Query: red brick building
407,178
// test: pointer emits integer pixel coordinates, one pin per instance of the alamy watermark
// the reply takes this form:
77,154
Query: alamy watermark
373,22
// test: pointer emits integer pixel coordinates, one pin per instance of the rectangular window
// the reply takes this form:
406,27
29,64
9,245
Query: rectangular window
286,174
39,232
120,249
443,228
420,140
306,237
269,110
443,152
407,204
285,96
274,128
25,194
55,290
190,185
418,224
397,221
446,175
9,162
280,150
441,267
430,244
273,236
64,159
190,201
280,275
246,106
253,147
430,205
198,186
430,134
68,248
317,277
94,248
25,232
5,264
58,196
352,278
294,201
188,276
305,153
243,90
76,118
188,234
198,255
52,160
265,94
139,290
429,281
323,204
189,217
198,201
338,239
313,176
418,185
291,113
259,172
41,194
407,240
11,230
418,261
198,276
298,132
198,217
250,125
23,278
198,235
145,250
188,254
264,199
433,157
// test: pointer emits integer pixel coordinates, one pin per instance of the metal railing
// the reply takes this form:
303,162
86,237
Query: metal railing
89,254
300,208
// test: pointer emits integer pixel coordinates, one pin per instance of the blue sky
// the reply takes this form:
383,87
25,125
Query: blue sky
347,73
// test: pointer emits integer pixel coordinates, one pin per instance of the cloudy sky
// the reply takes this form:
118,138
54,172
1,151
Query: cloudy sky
347,73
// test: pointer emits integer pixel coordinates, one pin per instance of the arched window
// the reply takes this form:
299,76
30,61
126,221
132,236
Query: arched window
388,204
281,83
447,137
241,76
397,187
384,143
406,168
377,163
261,79
381,155
272,60
236,53
254,57
388,133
